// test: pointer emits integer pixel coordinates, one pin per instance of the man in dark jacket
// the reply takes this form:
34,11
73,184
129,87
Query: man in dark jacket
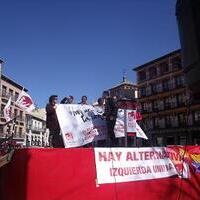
110,114
55,139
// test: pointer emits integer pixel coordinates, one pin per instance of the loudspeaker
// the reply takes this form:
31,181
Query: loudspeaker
188,18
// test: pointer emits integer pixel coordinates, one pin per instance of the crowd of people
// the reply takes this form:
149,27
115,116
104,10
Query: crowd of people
107,103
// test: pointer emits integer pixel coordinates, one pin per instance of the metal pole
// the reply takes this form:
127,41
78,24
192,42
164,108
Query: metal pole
125,128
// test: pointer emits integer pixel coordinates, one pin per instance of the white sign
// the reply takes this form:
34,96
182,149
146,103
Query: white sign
115,165
80,124
131,124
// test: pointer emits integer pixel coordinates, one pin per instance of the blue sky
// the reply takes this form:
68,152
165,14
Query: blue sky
82,47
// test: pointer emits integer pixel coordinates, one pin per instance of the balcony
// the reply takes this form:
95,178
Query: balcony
7,95
35,128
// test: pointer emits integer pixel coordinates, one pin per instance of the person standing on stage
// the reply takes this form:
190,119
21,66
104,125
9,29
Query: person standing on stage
65,100
110,114
55,139
83,100
71,99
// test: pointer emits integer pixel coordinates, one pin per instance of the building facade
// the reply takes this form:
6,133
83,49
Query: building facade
36,132
124,90
29,129
169,114
10,88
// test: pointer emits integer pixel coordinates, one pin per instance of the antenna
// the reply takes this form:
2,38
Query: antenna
124,75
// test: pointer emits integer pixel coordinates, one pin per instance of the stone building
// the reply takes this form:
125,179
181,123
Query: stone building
169,114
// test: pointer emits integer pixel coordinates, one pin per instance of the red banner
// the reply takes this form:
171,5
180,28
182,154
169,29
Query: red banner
50,174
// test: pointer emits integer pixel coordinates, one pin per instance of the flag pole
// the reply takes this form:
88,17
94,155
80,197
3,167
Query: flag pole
125,127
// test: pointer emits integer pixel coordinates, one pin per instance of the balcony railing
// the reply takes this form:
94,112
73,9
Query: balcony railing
34,128
18,118
8,95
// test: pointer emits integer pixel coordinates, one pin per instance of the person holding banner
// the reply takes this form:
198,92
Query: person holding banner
67,100
55,139
83,100
110,114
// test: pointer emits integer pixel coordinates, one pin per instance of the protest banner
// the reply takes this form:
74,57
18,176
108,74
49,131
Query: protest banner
126,122
117,165
80,124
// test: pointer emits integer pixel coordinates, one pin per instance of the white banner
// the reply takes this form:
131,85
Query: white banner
80,124
115,165
131,124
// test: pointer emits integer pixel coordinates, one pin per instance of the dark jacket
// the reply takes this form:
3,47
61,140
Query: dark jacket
110,109
52,120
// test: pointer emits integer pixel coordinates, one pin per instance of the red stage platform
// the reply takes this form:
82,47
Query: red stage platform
69,174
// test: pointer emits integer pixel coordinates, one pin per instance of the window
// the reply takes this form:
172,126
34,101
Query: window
152,72
2,107
174,121
164,67
170,140
155,105
167,103
190,119
180,81
142,75
173,102
144,107
166,84
16,95
149,107
172,83
149,124
161,123
142,91
21,115
1,129
181,118
15,112
182,140
160,105
176,62
20,131
148,90
181,99
154,88
15,131
197,116
4,90
168,121
10,93
159,141
156,122
159,87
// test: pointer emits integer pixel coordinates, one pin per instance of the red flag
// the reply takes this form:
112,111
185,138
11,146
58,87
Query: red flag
138,116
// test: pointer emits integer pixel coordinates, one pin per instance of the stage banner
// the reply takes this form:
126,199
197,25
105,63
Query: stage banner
80,124
115,165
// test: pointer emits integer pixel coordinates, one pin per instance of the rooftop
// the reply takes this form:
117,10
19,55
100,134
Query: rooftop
12,82
156,60
124,82
39,113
